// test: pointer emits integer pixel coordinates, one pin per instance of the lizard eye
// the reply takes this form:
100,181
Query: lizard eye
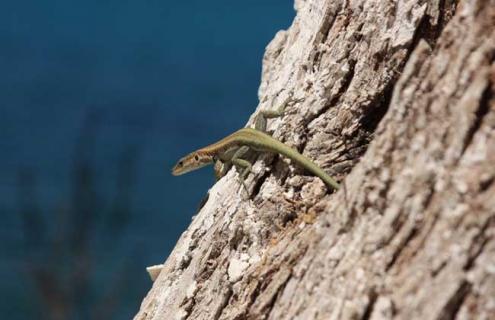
196,157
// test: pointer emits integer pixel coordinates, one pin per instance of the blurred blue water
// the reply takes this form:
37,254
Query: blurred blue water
160,77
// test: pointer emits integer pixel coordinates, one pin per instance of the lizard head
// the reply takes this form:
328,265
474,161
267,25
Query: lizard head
192,162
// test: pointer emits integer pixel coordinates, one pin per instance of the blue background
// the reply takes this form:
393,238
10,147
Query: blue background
98,99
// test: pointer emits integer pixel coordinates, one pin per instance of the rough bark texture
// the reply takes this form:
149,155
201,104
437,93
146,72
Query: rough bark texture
397,102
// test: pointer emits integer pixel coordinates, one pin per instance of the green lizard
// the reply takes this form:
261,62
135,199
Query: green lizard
230,151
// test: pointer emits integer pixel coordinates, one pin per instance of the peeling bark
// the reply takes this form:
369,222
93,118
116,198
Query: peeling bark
396,100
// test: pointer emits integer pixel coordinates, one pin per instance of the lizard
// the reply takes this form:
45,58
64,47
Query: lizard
230,151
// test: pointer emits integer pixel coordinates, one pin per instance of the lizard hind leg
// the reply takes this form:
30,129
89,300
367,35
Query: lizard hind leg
261,119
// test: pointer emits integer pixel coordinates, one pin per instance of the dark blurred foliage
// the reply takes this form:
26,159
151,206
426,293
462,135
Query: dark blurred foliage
98,99
62,247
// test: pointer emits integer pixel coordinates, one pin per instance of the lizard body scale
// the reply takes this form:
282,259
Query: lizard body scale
227,150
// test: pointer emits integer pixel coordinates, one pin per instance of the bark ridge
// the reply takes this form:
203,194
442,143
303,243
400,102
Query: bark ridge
395,99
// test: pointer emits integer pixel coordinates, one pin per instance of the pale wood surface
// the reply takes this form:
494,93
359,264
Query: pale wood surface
397,103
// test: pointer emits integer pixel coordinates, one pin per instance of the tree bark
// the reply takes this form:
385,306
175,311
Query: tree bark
396,100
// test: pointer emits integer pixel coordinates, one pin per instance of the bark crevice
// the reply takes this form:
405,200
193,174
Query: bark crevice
396,100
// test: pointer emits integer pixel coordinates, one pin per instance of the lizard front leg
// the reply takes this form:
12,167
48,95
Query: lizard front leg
221,168
223,162
233,157
243,166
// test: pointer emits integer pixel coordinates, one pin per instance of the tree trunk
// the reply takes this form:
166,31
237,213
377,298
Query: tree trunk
396,100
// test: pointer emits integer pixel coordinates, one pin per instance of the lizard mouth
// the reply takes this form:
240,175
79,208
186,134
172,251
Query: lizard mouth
177,170
180,168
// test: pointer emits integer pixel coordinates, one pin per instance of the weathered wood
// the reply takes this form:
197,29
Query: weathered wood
397,101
